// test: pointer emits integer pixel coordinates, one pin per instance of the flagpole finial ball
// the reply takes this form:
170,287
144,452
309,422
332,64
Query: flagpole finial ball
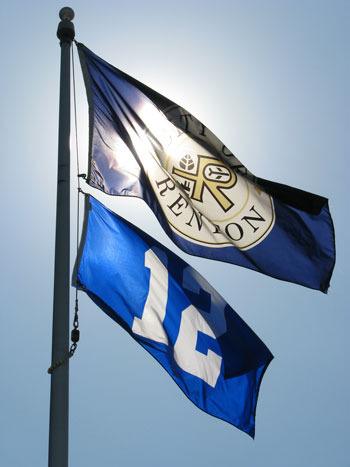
65,30
66,13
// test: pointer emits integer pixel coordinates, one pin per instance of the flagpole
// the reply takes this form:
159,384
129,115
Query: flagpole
59,396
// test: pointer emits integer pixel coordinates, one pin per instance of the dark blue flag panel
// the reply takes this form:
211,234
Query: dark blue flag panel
172,311
144,145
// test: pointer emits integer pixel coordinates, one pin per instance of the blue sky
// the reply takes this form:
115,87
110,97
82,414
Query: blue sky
271,80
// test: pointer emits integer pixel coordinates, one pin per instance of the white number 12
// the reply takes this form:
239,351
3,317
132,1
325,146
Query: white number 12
150,325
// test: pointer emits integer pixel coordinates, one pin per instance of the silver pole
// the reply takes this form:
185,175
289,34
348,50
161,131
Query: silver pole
59,396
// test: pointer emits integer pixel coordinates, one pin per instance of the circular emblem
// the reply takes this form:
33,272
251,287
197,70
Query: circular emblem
202,197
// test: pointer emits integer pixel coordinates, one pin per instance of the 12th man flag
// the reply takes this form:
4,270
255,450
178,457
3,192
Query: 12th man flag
168,308
144,145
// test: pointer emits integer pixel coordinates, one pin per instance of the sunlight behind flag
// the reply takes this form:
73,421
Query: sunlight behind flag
206,200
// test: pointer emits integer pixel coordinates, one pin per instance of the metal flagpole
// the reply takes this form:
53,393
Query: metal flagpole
58,435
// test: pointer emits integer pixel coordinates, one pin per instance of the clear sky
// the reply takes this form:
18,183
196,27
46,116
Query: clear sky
271,79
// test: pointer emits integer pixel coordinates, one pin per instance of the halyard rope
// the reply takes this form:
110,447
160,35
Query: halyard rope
75,334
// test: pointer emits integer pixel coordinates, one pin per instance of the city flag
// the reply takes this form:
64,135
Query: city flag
144,145
173,313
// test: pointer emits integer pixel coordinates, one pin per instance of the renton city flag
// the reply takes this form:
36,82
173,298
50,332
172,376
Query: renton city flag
144,145
169,309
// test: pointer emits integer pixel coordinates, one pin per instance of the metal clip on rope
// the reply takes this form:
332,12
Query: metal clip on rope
75,336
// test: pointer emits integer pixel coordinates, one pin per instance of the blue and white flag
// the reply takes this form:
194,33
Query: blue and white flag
169,309
144,145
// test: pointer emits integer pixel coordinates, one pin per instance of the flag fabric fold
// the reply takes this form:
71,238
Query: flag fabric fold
144,145
172,312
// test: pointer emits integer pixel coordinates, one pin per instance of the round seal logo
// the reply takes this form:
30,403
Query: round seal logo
204,199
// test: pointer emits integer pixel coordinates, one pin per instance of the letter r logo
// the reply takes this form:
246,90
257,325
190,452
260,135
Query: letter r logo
212,174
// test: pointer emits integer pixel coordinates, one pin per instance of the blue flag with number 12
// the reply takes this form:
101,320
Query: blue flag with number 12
172,311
